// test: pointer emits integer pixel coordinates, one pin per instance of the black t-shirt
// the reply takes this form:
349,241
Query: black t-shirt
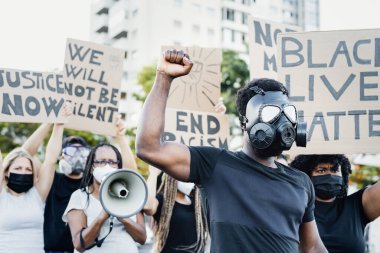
252,208
57,236
182,228
341,224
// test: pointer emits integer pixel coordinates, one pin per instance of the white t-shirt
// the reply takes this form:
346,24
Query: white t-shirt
118,241
21,222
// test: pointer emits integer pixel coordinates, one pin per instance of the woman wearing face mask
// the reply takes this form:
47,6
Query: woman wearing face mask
89,222
341,219
23,192
180,223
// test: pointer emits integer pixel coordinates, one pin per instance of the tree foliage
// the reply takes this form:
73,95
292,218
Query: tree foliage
146,79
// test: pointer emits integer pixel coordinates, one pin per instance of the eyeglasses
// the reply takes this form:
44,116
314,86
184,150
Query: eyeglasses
102,163
72,150
270,113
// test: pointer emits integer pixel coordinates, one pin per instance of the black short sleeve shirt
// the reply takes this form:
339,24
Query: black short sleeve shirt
252,208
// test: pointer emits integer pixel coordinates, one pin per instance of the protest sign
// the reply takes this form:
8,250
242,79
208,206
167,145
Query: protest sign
30,96
200,89
196,128
263,36
92,76
333,79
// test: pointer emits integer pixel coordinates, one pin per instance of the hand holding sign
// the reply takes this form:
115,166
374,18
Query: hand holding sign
220,107
67,110
120,127
175,63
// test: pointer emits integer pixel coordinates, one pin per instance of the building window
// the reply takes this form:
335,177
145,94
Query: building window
244,18
210,11
178,3
196,8
123,34
123,95
232,36
210,32
134,13
245,2
177,24
228,14
243,37
196,29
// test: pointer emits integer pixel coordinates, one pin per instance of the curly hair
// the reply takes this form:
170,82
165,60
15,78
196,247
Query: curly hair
246,93
306,164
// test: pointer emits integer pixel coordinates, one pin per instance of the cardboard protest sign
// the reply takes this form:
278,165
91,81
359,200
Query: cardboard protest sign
333,78
196,128
29,96
92,75
200,89
263,35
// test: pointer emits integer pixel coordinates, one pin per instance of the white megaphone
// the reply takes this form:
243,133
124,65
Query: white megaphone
123,193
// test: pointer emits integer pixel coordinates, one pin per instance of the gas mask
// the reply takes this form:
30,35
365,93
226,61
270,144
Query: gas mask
272,124
77,160
74,166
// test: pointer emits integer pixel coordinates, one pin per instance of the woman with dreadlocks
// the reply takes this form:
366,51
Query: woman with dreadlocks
89,223
341,219
180,223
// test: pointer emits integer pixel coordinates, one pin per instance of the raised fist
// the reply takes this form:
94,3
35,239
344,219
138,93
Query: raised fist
175,63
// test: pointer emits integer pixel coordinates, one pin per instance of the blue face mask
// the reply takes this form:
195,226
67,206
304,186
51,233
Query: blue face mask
20,182
327,186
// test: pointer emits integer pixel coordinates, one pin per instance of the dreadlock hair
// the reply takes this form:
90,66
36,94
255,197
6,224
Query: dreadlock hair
246,93
306,164
161,229
88,178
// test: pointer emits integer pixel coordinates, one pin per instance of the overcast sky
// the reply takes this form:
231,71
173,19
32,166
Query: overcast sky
34,32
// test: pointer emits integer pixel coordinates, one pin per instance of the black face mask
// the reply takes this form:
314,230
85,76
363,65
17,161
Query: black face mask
327,186
20,182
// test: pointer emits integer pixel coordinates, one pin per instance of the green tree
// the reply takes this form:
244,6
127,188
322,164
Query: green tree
13,135
235,74
146,79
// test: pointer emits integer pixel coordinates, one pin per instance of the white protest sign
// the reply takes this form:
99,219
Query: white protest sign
333,78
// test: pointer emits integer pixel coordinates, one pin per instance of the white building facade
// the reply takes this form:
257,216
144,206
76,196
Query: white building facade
142,27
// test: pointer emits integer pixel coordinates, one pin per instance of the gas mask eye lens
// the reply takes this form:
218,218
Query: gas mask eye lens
291,113
269,113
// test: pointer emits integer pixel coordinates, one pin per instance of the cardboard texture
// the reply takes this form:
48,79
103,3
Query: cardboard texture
196,128
263,36
200,89
31,97
333,79
93,72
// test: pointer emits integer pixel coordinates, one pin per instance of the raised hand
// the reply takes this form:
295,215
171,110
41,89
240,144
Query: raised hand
220,107
120,127
175,63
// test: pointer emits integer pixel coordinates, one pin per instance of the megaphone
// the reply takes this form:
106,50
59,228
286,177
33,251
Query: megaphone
123,193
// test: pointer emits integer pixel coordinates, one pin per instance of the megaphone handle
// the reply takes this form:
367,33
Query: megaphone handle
97,242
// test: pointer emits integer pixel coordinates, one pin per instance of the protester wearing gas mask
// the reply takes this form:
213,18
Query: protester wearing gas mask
57,236
90,225
255,204
341,219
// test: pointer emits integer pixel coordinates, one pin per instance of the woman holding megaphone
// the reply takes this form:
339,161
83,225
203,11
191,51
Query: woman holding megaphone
91,226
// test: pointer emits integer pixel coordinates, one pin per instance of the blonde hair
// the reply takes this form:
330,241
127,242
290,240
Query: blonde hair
161,230
10,158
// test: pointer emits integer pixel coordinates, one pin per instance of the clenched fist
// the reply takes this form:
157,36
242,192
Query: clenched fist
175,63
